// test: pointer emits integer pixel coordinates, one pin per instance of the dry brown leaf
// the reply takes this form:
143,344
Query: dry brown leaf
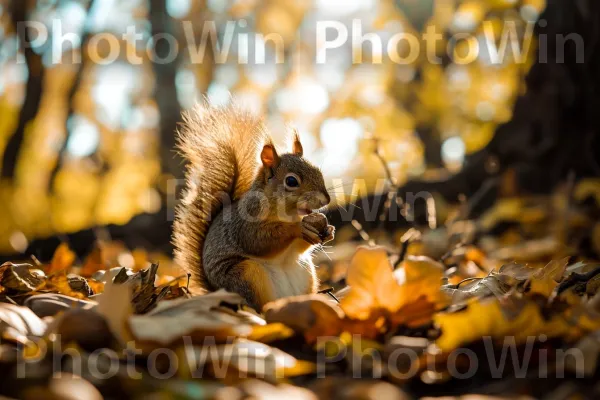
528,251
312,315
85,327
197,303
21,319
245,358
196,318
158,331
115,306
357,389
258,389
545,280
18,278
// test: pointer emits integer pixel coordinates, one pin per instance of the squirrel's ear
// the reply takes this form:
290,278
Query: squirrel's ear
296,145
269,156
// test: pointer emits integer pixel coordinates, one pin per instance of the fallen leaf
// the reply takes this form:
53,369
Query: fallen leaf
311,315
270,332
198,303
145,294
80,285
545,280
340,388
94,262
152,332
587,188
195,318
66,386
115,306
488,318
62,259
50,304
374,286
87,328
259,389
247,359
20,319
511,209
18,278
97,287
531,250
60,283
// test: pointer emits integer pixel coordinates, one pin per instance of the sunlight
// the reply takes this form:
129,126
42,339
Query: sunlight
84,138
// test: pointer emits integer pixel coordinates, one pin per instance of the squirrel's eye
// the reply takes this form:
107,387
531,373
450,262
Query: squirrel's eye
292,182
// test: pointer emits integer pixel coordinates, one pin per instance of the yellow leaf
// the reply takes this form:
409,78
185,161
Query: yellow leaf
587,188
486,318
270,332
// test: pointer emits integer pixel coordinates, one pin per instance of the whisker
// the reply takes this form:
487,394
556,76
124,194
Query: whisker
342,207
340,186
324,252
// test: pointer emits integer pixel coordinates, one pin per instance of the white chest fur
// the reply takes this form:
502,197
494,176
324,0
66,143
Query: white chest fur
290,271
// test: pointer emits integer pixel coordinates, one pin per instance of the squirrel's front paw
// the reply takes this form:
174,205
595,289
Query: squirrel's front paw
315,229
328,234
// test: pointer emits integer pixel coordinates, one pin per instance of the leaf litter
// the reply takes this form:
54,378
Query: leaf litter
469,287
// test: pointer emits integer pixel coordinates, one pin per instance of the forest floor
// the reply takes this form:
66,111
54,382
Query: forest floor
503,306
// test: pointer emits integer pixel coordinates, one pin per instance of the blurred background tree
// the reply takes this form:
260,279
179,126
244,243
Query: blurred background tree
85,143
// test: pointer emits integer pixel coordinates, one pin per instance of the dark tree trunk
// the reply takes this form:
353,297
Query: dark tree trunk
33,91
554,129
70,101
165,91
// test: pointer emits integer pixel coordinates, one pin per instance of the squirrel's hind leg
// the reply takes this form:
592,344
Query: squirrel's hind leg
250,280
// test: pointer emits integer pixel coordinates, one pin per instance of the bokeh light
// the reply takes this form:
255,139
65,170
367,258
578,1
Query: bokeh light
100,147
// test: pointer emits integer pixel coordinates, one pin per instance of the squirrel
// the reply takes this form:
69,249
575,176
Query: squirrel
246,222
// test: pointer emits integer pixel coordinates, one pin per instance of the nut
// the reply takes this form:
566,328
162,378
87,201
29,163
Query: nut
317,220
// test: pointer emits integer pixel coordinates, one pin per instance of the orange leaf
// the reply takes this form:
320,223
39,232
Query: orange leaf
93,263
61,283
62,259
374,286
97,287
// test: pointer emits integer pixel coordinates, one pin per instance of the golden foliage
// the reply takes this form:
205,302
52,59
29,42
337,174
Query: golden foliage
375,287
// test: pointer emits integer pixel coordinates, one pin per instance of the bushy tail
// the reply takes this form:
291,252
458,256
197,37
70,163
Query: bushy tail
222,147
